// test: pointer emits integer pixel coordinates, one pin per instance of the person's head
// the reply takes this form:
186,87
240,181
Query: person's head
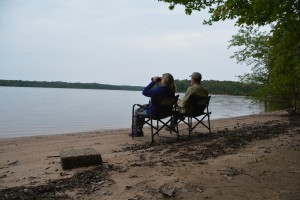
196,78
168,80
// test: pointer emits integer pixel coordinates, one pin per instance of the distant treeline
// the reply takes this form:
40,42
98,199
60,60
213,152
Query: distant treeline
221,87
60,84
214,87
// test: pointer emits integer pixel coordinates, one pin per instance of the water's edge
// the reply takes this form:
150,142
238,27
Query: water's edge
46,111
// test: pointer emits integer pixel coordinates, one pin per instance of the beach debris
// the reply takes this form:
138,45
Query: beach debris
83,182
2,176
64,174
105,193
267,151
128,187
292,147
53,156
74,158
199,190
168,191
137,197
230,172
233,172
184,190
13,163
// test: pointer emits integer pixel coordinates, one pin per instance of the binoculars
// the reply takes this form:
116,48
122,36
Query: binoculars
157,80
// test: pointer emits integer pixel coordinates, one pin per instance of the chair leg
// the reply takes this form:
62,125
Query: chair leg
177,130
190,122
152,136
208,123
157,123
200,121
132,119
156,130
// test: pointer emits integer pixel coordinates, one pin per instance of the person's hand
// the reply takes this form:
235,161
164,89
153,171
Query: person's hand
156,79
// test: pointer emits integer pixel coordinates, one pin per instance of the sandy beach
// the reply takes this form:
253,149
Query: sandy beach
249,157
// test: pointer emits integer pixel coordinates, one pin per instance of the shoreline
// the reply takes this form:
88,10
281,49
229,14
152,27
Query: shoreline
121,129
137,169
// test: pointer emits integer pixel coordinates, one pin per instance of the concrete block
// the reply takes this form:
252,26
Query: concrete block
74,158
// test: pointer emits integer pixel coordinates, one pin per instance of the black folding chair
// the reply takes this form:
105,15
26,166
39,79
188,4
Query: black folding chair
165,107
197,111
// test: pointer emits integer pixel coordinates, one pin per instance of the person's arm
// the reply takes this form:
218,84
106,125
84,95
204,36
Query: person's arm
185,98
179,101
148,91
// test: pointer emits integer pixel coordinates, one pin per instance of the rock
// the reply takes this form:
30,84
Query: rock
169,192
74,158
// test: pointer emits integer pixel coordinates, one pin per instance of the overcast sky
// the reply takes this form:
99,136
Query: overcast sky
119,42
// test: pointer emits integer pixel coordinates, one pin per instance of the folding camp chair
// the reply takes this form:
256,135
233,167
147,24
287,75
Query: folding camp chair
197,112
165,107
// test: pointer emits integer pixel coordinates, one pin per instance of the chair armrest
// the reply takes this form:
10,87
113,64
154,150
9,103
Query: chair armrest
140,105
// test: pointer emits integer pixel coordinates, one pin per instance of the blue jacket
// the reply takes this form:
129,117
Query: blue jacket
162,91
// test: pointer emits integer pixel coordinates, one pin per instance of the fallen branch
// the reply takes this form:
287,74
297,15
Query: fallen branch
12,163
291,146
53,156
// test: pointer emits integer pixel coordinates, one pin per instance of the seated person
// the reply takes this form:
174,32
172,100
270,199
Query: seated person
165,88
195,89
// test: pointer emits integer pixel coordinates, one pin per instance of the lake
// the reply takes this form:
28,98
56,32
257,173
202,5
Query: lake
45,111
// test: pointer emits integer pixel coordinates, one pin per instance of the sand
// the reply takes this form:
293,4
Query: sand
249,157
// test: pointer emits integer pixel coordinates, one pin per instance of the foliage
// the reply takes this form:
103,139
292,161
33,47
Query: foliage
284,62
254,52
221,87
230,87
275,60
274,56
245,12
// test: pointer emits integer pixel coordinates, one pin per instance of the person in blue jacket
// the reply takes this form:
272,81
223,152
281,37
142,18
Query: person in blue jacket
165,88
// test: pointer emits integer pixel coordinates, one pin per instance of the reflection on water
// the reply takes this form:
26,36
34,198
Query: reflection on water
269,107
41,111
224,106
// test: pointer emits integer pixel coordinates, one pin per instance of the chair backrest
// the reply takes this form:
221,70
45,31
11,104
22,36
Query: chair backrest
196,105
164,105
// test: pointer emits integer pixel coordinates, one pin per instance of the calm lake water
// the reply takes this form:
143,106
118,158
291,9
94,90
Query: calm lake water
46,111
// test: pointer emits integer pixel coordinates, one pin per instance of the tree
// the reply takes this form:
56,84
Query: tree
275,56
284,62
246,12
254,52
